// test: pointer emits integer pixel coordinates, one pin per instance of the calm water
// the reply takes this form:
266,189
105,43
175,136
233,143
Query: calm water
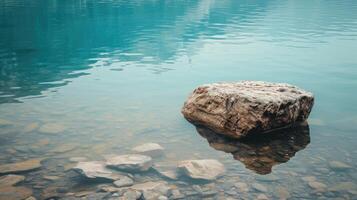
114,74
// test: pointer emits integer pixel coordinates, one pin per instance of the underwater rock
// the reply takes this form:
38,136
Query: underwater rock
339,166
261,153
248,107
124,182
152,190
130,162
96,170
10,180
319,187
149,149
14,193
208,169
259,187
22,166
52,128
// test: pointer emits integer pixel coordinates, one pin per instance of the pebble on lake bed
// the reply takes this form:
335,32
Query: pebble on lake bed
22,166
95,170
149,149
201,169
130,162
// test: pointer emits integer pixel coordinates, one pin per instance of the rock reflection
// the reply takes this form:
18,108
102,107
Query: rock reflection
261,153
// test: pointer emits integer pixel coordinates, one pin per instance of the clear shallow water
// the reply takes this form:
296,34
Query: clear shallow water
114,74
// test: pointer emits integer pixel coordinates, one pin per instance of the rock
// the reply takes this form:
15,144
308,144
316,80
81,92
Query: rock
259,187
309,178
30,127
10,180
52,128
344,186
149,149
77,159
22,166
95,170
339,166
152,190
131,195
242,187
30,198
201,169
319,187
4,122
176,194
14,193
262,197
168,172
130,162
124,182
242,108
51,178
282,193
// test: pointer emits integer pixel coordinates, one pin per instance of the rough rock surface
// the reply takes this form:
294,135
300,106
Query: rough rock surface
124,182
95,170
130,162
242,108
22,166
152,190
149,149
201,169
10,180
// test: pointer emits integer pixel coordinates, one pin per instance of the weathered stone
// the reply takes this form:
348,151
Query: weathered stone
95,170
124,182
201,169
343,186
262,197
152,190
10,180
52,128
319,187
131,195
22,166
242,187
248,107
166,171
259,187
130,162
339,166
14,193
149,149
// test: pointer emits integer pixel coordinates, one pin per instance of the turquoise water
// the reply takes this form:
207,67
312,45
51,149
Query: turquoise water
114,74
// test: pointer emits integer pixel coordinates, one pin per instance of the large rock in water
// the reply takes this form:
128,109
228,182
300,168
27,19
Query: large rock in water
248,107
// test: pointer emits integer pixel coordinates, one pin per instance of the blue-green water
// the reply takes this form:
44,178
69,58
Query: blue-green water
115,74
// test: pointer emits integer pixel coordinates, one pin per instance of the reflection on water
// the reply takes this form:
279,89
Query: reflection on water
261,153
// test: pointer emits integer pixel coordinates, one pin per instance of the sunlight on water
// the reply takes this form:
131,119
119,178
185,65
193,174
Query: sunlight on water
92,78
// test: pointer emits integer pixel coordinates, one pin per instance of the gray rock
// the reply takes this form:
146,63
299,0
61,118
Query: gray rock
319,187
208,169
22,166
124,182
242,108
152,190
131,195
52,128
10,180
339,166
130,162
149,149
259,187
96,170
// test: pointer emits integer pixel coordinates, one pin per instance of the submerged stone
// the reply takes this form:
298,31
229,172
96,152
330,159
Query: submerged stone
152,190
14,193
319,187
248,107
130,162
95,170
149,149
201,169
339,166
52,128
22,166
10,180
124,182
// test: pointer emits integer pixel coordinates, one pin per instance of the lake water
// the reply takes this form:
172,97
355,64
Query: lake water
92,78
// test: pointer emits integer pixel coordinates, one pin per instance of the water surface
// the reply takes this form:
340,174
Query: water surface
114,74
